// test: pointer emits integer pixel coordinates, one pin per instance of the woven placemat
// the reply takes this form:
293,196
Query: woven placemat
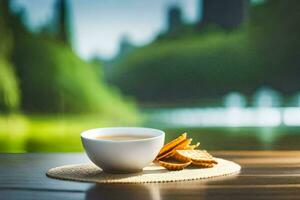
150,174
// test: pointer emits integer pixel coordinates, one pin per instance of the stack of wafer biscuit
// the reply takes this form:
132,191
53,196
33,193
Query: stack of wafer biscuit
179,153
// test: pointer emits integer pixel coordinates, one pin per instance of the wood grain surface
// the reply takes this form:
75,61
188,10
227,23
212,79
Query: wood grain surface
264,175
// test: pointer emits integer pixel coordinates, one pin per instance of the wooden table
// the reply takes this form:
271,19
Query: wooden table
264,175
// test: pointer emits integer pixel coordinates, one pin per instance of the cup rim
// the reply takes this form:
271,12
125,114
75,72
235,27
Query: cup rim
85,134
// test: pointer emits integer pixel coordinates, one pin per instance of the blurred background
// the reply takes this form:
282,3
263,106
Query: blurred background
227,72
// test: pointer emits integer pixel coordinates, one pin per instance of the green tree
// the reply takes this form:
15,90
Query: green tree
9,91
53,79
275,32
199,66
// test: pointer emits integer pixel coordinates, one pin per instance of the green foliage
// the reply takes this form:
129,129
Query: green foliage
9,91
54,79
211,62
275,31
49,133
198,66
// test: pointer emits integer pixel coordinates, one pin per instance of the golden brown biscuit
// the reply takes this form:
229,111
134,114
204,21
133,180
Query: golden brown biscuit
180,146
174,166
203,164
166,155
169,146
197,156
180,157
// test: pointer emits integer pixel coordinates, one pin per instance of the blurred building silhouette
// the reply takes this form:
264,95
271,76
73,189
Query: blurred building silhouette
58,26
62,21
126,47
4,5
227,14
174,18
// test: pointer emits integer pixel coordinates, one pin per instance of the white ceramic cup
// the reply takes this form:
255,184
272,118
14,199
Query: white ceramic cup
122,156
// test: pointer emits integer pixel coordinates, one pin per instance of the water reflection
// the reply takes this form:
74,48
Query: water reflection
263,111
266,97
123,191
232,128
157,191
291,116
235,100
225,117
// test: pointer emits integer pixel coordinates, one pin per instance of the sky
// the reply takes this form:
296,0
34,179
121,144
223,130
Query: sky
98,25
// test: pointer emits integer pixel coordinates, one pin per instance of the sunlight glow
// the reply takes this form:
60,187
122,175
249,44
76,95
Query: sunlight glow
291,116
229,117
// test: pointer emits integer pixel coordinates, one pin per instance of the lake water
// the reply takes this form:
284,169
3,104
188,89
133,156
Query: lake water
231,128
